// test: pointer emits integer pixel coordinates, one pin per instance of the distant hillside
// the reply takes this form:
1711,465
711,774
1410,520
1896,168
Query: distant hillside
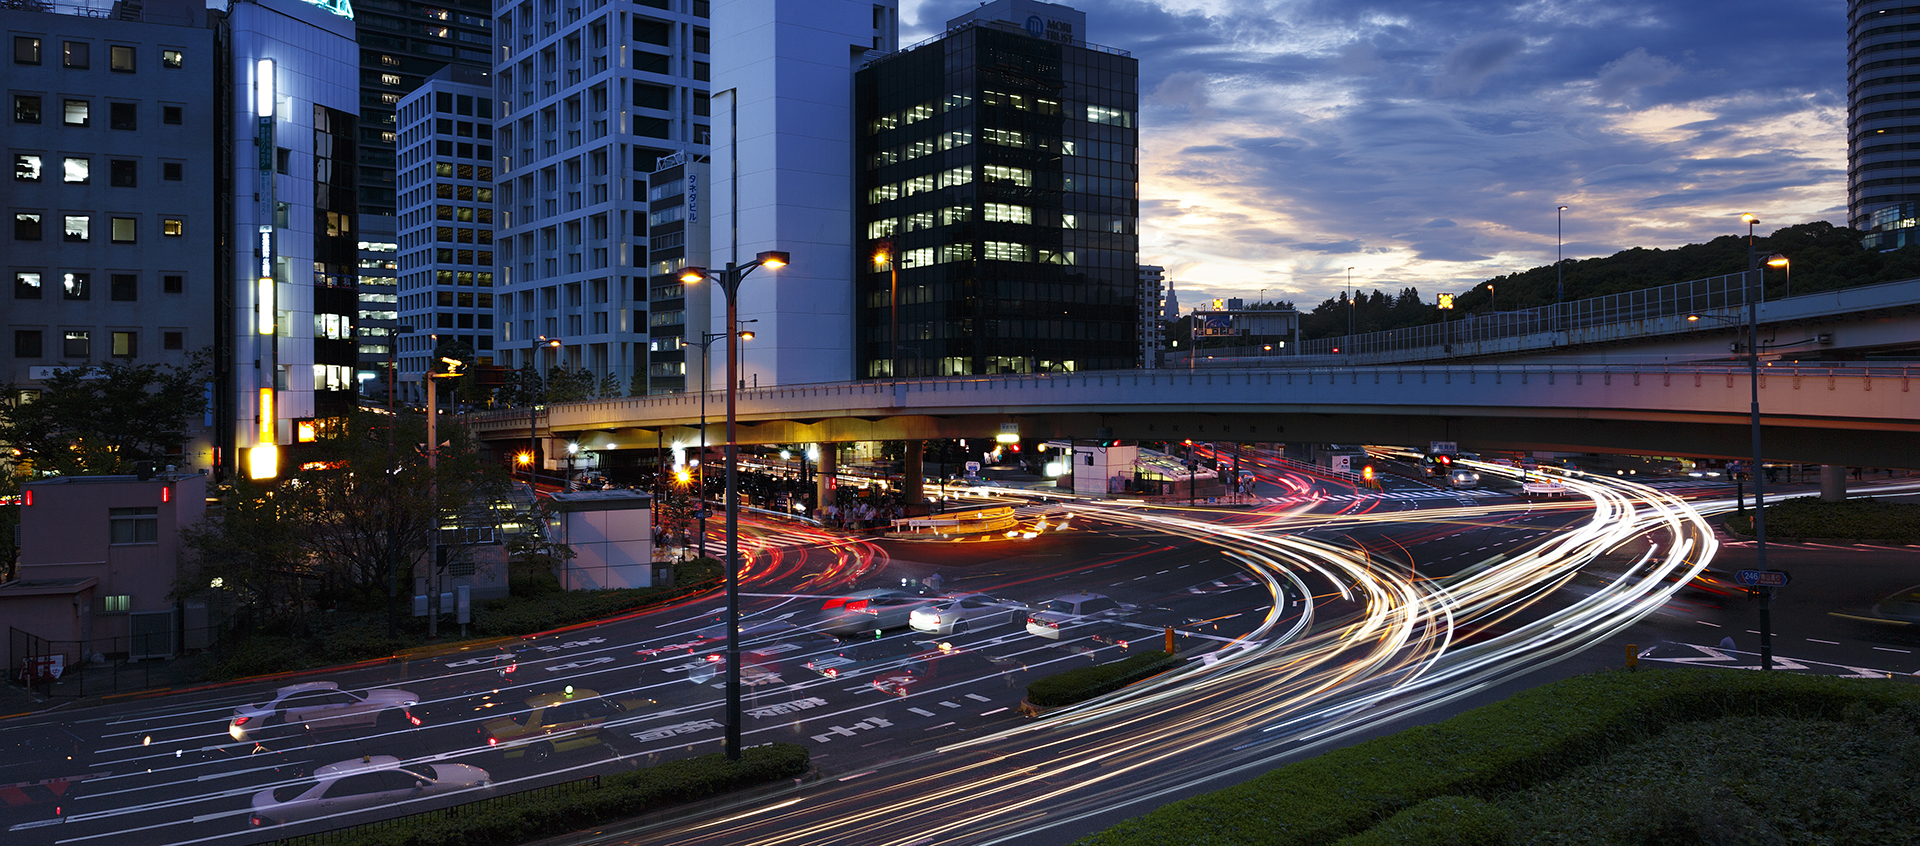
1824,257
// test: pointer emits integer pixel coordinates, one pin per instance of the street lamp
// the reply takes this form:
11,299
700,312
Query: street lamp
533,448
1559,275
433,484
729,280
1780,261
885,255
700,513
1759,476
1349,307
393,549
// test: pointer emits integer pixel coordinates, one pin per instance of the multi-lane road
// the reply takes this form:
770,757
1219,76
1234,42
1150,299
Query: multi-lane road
1315,614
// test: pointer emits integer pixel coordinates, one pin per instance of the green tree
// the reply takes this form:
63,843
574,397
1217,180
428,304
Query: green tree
609,387
565,385
104,419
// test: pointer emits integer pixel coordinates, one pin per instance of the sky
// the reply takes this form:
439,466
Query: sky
1428,143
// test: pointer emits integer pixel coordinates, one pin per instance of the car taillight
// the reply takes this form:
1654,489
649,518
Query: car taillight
832,672
241,721
860,605
493,741
413,719
256,820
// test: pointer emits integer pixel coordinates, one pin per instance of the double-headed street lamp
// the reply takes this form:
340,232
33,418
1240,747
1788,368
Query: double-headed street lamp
729,281
454,367
532,407
706,346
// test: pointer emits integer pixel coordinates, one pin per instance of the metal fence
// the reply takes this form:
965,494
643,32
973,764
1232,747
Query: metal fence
361,833
1679,300
148,658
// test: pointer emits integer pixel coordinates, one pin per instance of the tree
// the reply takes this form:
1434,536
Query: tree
246,554
565,385
106,418
609,386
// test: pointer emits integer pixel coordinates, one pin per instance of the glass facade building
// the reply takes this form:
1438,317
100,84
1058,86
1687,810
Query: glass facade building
998,204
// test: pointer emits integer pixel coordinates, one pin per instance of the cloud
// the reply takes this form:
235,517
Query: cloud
1466,68
1628,74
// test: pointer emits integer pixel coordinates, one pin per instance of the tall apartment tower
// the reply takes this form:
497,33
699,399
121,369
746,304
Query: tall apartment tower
590,98
998,200
783,177
1152,332
402,44
446,248
1883,121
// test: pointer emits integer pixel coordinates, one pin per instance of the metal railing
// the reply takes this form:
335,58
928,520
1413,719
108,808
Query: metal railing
1676,301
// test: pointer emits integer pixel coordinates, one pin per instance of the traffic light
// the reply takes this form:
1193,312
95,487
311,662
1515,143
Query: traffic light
1366,473
1443,459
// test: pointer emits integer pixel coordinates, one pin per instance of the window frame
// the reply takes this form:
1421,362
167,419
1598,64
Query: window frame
66,112
67,51
26,50
133,230
115,54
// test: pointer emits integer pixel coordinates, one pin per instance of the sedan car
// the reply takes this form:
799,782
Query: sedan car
362,783
869,611
319,706
1072,611
556,722
960,612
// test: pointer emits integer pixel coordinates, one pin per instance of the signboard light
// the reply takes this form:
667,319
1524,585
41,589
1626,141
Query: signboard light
263,88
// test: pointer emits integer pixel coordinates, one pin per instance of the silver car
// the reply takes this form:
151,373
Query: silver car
358,784
1074,610
869,611
321,706
960,612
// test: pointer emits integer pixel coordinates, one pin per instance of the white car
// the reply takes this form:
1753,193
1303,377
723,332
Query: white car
960,612
1072,610
321,706
362,783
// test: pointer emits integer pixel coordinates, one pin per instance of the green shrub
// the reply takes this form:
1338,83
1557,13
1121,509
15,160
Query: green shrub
1528,739
1079,685
524,818
1853,519
1440,821
258,656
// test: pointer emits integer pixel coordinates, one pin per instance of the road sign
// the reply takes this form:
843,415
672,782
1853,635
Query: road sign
1763,578
1442,447
702,514
973,467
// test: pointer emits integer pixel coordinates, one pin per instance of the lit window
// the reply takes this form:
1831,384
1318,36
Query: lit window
26,50
78,228
122,59
126,344
26,285
122,230
26,167
1004,213
76,286
75,113
390,79
115,604
172,226
76,345
74,54
26,227
170,59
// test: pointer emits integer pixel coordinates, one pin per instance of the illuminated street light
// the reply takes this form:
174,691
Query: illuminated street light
729,281
1756,289
1780,261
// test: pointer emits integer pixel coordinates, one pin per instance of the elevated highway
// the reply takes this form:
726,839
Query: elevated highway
1833,413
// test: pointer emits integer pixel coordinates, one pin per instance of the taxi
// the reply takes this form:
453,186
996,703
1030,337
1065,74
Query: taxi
556,722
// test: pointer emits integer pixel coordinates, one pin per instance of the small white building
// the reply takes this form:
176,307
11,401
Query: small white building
611,534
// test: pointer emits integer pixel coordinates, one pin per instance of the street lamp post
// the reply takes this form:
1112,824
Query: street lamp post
1349,310
393,548
433,487
1559,275
700,512
1759,475
533,468
1780,261
729,281
886,255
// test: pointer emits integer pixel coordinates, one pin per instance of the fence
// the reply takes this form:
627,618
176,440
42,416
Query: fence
147,658
360,833
1678,300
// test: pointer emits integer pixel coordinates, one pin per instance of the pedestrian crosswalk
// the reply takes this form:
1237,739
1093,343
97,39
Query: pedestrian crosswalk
1402,494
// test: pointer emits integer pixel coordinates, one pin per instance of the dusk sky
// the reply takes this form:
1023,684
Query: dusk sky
1427,143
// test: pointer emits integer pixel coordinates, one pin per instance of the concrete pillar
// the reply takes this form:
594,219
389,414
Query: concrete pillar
1833,483
826,476
913,472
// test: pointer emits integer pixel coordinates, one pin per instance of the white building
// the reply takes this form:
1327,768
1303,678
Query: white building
783,175
446,219
1153,332
590,97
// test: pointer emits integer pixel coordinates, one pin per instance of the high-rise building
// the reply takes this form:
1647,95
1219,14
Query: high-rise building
1153,332
1883,114
998,200
446,290
115,171
783,175
589,102
676,228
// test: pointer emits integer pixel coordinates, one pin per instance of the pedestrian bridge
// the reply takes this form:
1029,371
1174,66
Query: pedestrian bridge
1833,413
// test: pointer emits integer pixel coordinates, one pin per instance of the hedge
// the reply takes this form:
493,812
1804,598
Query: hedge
1525,740
524,818
1853,519
1063,689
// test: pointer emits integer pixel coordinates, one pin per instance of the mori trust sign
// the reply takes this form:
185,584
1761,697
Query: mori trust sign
343,8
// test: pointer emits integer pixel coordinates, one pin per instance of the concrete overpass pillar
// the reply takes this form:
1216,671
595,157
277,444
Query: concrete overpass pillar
826,480
1833,483
913,474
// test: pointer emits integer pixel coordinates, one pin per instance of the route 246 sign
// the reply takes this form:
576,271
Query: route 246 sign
1763,578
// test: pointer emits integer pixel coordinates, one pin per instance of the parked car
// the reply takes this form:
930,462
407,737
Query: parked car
556,722
321,706
362,783
960,612
869,611
1074,610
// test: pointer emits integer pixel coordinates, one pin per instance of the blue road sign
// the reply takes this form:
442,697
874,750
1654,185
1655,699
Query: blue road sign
1763,578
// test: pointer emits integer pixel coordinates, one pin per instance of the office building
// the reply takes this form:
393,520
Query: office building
783,178
1152,331
446,250
998,196
112,139
1883,116
676,228
590,101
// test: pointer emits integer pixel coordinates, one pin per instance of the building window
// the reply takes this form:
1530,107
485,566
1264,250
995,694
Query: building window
123,115
76,345
392,79
173,227
75,170
78,228
170,59
76,286
171,115
122,58
134,525
26,343
173,283
26,285
26,167
126,344
171,171
26,50
74,54
116,604
26,108
123,230
173,340
282,159
124,287
123,173
26,227
75,113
